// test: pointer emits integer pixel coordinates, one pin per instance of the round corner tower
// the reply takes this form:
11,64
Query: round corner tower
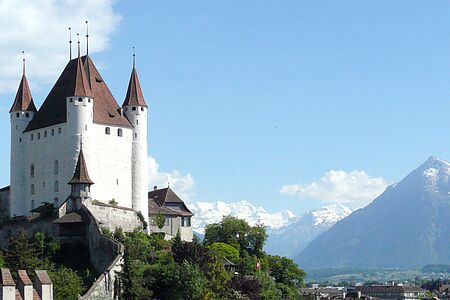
136,110
21,113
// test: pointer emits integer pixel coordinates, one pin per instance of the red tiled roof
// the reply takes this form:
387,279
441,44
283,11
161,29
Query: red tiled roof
43,277
81,174
81,86
53,111
134,93
7,278
24,99
23,276
158,201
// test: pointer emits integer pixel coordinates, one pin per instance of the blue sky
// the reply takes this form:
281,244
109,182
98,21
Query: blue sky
249,96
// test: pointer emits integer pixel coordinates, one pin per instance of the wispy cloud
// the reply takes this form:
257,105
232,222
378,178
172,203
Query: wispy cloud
41,29
182,184
355,188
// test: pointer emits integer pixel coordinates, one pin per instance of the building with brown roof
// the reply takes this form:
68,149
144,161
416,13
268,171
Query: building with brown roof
167,209
79,109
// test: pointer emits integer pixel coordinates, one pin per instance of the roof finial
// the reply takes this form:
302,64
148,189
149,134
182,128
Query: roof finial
87,38
70,42
134,57
78,37
23,62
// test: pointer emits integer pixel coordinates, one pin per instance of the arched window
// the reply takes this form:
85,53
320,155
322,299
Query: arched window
32,189
56,167
107,130
32,171
56,186
119,132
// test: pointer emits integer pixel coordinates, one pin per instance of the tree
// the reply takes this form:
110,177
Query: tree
67,285
237,233
285,271
21,254
247,285
224,250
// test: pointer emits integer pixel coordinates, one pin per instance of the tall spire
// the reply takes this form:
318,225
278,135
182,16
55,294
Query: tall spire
81,175
70,43
134,93
87,38
24,99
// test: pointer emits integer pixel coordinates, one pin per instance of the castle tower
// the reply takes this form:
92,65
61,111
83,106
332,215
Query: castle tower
21,113
80,110
135,109
80,183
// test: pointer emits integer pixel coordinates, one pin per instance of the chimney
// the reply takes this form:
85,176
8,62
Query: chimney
7,286
155,188
43,285
25,285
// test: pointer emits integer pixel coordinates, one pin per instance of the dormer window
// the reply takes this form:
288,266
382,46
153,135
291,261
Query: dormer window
107,130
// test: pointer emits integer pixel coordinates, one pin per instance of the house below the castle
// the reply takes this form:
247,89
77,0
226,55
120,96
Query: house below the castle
165,204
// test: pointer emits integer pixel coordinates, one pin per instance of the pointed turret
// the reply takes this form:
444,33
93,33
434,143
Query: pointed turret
81,87
81,175
24,99
134,96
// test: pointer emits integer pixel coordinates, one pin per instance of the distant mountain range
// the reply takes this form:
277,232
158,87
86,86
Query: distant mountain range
212,212
293,238
408,226
288,234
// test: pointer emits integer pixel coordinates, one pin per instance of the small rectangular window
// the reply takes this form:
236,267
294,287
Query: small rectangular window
45,133
39,136
17,115
32,137
133,108
27,115
59,130
53,132
142,108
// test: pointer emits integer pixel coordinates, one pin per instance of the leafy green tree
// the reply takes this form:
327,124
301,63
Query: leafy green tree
237,233
285,271
67,285
224,250
160,220
21,254
269,289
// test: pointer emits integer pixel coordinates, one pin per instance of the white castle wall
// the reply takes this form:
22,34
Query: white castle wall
108,159
111,169
19,121
138,117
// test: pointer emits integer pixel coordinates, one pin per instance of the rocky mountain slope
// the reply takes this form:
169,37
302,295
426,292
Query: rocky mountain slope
292,239
407,226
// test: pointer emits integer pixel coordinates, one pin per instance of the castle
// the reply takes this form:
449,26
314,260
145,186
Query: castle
79,111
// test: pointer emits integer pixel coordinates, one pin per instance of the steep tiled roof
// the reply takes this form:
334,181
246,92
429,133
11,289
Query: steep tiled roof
160,201
73,217
81,174
43,277
23,276
24,100
7,278
134,93
53,111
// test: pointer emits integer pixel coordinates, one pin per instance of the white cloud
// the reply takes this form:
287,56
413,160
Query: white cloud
355,188
182,184
40,28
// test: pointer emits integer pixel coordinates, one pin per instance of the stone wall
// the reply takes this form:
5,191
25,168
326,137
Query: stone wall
106,257
29,226
114,216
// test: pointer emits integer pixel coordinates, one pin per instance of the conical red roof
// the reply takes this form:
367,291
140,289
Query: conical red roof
81,174
54,111
24,100
134,93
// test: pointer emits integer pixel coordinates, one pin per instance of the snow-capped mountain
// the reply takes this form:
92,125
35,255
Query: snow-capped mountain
212,212
406,227
292,239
